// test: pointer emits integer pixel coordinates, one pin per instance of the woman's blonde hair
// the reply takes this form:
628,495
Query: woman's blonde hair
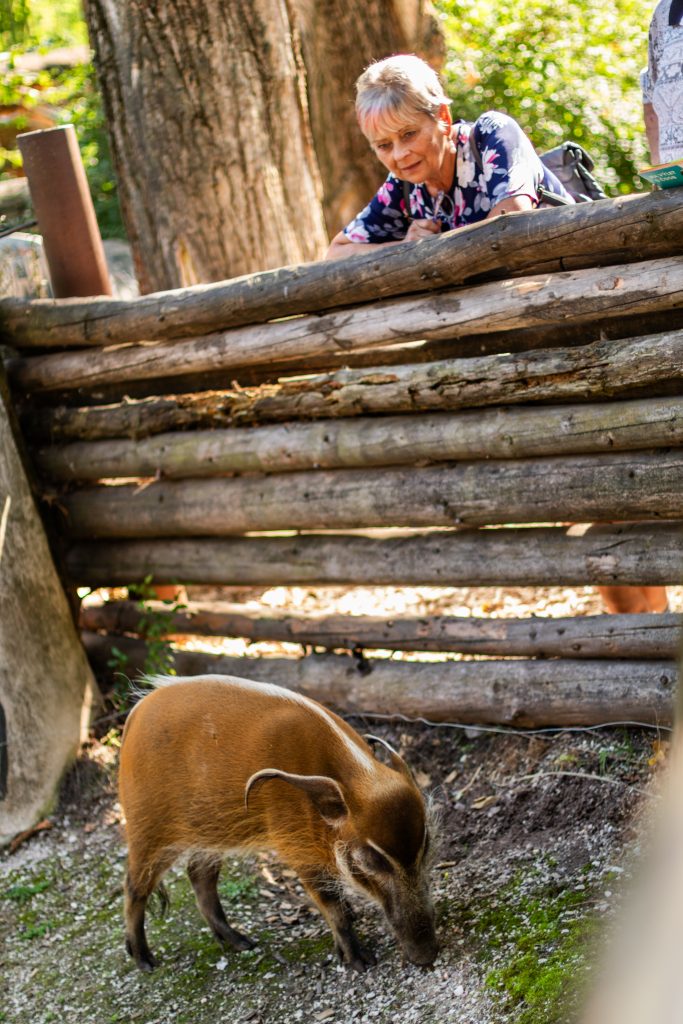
397,87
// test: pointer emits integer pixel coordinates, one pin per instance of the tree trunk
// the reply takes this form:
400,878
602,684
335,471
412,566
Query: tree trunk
46,687
633,554
583,488
210,136
366,442
339,39
517,693
632,228
593,636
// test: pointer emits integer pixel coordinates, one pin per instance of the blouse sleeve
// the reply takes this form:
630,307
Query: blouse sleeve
510,164
384,219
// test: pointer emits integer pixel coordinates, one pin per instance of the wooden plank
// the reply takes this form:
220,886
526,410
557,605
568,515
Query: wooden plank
582,488
519,693
582,296
581,636
636,553
365,442
590,234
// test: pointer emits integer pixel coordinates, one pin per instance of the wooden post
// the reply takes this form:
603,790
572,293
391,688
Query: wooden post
46,686
64,209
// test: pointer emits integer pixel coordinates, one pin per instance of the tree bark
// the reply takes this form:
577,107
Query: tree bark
365,442
629,485
599,370
630,554
596,636
210,136
514,693
46,687
610,232
584,296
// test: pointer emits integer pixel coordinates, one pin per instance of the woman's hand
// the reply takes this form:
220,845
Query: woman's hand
422,229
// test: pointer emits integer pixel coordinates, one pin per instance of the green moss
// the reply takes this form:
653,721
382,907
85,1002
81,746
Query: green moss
536,943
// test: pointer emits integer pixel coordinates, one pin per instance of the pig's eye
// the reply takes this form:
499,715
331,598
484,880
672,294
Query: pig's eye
376,861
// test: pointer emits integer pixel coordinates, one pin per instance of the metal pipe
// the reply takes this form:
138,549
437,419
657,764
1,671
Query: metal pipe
65,213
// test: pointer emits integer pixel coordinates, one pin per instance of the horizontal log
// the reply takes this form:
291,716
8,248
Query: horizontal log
584,488
514,693
599,370
592,636
365,442
582,296
635,554
590,234
524,340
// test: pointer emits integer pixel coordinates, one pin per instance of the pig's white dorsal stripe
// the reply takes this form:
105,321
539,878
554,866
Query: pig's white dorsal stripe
365,760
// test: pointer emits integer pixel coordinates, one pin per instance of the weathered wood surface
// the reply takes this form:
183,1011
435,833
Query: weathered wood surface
590,234
46,687
600,370
516,692
387,441
590,636
584,488
468,346
642,553
583,296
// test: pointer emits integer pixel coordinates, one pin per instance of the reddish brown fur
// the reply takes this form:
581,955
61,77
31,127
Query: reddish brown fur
189,750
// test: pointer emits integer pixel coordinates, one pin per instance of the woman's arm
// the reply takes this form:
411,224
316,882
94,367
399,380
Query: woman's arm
511,205
343,246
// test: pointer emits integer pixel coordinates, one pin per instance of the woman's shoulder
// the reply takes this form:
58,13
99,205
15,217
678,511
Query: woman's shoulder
492,121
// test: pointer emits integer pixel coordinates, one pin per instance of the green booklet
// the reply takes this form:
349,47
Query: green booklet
665,175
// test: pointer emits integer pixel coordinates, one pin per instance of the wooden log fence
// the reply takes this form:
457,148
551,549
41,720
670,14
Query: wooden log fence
628,554
587,235
594,636
522,693
525,371
627,485
498,433
581,296
599,370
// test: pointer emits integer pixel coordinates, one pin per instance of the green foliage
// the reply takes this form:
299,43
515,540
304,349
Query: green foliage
72,94
155,626
567,71
42,23
24,893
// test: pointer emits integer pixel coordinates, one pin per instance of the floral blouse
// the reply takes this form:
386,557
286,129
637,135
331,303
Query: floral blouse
662,82
510,166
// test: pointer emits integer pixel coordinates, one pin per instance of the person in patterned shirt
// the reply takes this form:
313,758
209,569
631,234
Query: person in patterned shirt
436,182
662,83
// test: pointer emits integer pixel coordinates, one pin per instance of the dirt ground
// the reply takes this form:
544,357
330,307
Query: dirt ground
536,834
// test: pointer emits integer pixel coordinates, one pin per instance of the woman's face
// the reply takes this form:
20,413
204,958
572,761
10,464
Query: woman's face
414,148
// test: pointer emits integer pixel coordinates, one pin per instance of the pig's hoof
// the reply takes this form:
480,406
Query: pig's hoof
143,958
231,937
358,957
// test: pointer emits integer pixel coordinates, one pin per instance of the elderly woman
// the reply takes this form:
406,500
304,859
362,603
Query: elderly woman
442,175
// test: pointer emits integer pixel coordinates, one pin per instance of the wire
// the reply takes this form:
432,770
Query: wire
504,729
18,227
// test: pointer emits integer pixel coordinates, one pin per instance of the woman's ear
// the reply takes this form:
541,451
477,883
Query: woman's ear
444,118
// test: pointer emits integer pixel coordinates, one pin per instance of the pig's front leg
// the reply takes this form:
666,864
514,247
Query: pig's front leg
337,912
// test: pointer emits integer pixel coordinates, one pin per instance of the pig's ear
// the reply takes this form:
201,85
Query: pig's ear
325,793
397,762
